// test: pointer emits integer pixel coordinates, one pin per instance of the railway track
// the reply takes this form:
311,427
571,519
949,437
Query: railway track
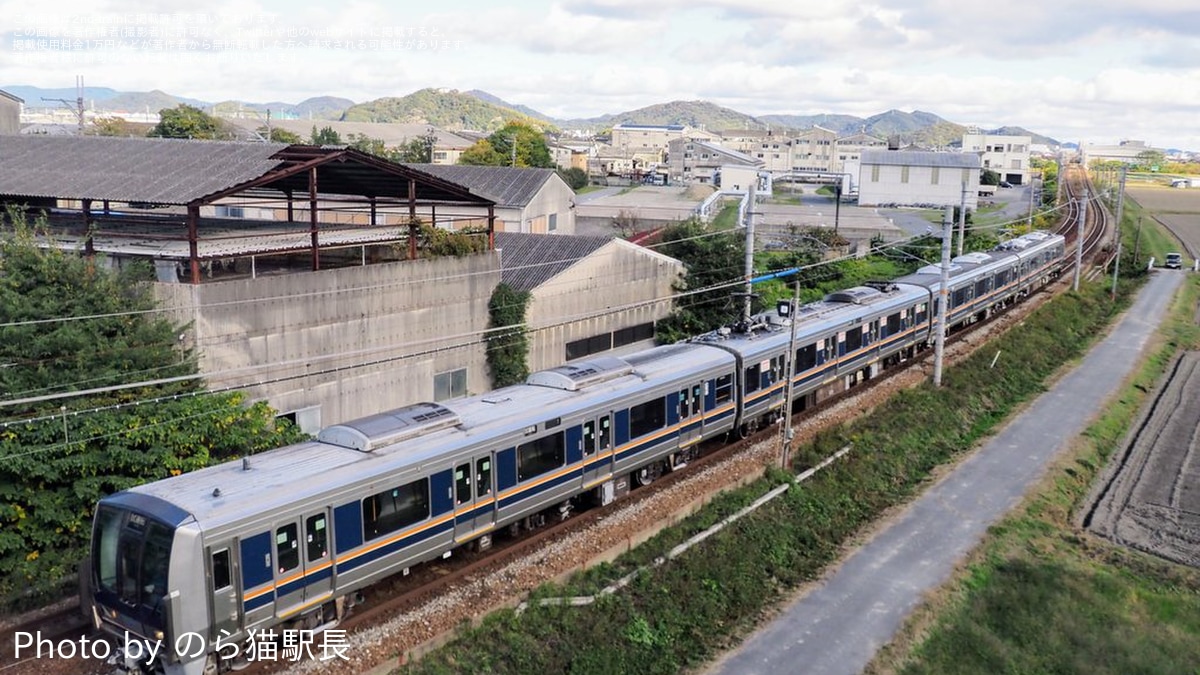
430,582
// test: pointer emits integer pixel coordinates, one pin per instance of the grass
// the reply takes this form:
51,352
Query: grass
679,615
588,188
1042,596
726,219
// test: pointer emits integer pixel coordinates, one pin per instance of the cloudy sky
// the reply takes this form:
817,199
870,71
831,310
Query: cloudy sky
1098,71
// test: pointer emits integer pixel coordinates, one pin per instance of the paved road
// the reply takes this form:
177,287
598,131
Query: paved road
838,626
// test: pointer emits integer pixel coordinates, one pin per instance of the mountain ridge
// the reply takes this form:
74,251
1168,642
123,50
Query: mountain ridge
480,110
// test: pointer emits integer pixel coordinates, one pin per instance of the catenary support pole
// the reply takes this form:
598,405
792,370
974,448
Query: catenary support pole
1079,239
943,297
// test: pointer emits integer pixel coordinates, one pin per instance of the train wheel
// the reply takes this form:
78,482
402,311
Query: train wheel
648,474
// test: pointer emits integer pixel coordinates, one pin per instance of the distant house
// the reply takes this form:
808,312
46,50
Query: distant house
10,113
534,201
901,178
1126,152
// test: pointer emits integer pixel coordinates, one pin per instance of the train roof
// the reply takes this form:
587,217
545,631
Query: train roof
969,263
404,441
836,310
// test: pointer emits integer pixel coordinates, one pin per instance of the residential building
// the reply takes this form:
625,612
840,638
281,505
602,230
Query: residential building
570,156
850,149
813,150
917,178
1006,155
640,137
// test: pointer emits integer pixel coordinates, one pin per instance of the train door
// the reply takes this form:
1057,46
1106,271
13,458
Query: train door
318,560
289,567
597,449
474,505
690,429
226,609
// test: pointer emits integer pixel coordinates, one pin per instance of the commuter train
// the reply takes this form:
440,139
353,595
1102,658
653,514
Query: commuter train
287,538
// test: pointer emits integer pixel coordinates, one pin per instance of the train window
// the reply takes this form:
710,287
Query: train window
393,509
287,548
893,325
854,339
317,537
540,456
589,438
921,312
222,577
462,484
696,399
605,432
156,562
723,389
806,358
648,417
753,378
778,372
684,411
483,476
960,297
981,288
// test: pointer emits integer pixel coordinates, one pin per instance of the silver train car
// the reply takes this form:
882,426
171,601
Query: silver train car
286,538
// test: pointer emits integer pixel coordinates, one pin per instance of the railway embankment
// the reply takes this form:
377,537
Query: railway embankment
676,616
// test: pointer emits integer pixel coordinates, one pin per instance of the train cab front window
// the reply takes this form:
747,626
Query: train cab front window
132,555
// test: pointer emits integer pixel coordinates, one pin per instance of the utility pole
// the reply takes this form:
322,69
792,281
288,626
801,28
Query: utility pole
943,296
1137,241
513,147
786,441
747,301
1079,239
1032,185
962,218
1116,270
1120,208
77,108
837,204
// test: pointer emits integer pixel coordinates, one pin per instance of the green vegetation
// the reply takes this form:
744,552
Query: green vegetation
508,343
574,177
498,149
450,110
1041,596
185,121
326,135
726,219
680,614
56,462
713,257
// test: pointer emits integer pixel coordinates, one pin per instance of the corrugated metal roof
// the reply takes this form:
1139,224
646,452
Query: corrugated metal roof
529,260
959,160
154,170
507,186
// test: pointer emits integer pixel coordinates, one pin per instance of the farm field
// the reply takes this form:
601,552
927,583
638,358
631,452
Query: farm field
1152,500
1177,210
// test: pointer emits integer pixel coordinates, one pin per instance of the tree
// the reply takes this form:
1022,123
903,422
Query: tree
575,177
481,153
371,146
988,177
282,135
711,259
185,121
114,126
530,148
56,463
418,150
326,136
1150,160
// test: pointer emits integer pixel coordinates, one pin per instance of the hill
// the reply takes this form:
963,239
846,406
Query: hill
496,100
844,125
1019,131
697,114
444,108
326,108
